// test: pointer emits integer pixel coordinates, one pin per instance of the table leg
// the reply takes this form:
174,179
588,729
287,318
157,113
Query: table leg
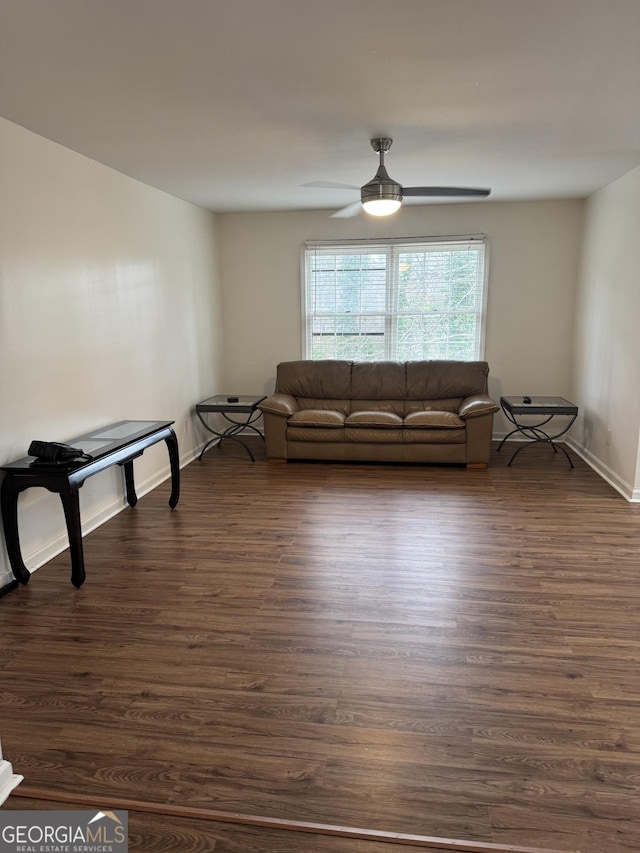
535,435
207,446
507,437
174,461
255,416
229,432
9,500
132,498
71,504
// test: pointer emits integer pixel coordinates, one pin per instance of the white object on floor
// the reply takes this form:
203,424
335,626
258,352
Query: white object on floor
8,779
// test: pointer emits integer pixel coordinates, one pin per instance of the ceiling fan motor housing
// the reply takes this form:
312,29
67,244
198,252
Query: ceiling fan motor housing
381,187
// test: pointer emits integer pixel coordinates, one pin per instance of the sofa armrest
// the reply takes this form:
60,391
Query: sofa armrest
277,409
279,404
476,406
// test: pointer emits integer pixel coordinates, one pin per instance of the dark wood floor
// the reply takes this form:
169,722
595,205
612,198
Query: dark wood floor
427,650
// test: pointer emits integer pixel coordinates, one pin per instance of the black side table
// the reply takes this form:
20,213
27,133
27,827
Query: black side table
545,408
225,406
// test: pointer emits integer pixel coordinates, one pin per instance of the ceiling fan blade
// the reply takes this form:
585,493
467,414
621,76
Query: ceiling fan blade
330,185
443,192
348,211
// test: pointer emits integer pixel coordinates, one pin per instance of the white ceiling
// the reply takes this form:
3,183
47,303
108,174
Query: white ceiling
235,104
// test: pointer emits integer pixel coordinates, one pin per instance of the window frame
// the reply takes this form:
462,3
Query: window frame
393,245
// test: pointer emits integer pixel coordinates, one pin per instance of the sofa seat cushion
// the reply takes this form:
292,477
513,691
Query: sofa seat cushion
315,434
322,418
450,405
396,407
433,420
373,435
374,420
321,404
434,436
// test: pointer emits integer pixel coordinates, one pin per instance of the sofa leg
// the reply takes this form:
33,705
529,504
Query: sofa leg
477,465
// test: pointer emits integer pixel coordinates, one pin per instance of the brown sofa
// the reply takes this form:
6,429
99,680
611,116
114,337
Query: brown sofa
414,411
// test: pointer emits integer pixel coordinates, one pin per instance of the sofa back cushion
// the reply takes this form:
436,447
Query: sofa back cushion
378,380
444,380
378,386
324,384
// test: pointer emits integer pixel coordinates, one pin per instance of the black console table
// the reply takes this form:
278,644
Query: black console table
117,444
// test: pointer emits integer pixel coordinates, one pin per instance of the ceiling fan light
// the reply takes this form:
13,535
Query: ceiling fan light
381,206
382,196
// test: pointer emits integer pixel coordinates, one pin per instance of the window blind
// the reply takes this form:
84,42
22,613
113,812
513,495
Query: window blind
421,298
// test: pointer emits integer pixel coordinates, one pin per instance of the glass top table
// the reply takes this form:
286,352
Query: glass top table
543,409
227,406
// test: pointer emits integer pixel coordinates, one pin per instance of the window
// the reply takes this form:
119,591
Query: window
396,300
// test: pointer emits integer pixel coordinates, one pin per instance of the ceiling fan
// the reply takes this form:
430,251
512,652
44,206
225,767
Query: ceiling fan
382,195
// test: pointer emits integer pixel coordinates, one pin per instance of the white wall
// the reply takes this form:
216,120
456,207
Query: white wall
607,340
109,310
533,265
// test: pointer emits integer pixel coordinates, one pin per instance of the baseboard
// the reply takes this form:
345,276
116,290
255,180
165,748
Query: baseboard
615,481
8,587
